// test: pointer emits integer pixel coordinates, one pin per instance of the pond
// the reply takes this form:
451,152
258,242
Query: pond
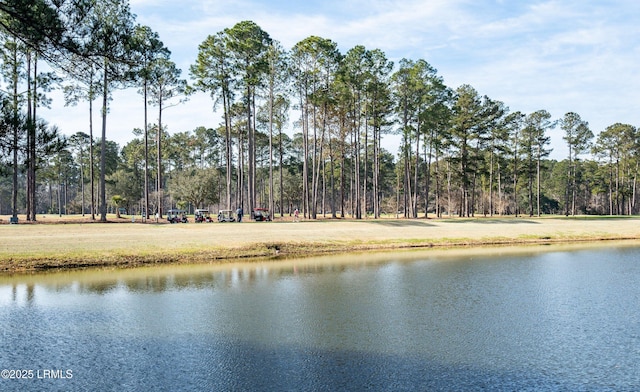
534,318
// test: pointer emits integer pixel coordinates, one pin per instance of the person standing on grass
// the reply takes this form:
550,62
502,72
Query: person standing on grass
239,212
296,215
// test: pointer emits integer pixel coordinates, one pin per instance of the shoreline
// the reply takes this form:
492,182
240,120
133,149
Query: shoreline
67,245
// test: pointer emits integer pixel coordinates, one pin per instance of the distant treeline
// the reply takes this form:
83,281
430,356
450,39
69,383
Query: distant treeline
461,154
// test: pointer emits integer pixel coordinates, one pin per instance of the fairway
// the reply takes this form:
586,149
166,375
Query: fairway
42,246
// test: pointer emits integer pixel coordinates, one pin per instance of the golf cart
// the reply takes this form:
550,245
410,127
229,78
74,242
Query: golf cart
177,216
202,215
226,216
261,215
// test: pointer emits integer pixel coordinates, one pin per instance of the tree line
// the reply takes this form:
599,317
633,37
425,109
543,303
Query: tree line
460,154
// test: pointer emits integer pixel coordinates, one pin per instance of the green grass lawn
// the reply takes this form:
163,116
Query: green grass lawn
76,241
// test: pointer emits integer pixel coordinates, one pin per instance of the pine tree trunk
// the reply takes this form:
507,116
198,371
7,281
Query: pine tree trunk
146,154
103,144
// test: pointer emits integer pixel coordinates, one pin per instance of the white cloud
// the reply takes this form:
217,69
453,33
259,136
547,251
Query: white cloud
567,55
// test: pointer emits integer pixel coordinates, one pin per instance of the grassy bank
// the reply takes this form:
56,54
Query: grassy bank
51,244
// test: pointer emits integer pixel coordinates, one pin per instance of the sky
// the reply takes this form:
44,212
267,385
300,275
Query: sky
558,55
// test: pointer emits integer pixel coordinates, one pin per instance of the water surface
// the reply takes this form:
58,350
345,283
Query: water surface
496,319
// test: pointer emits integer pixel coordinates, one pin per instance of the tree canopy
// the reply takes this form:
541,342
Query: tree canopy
461,153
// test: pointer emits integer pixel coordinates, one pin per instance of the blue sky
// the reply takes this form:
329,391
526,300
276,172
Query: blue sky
562,56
